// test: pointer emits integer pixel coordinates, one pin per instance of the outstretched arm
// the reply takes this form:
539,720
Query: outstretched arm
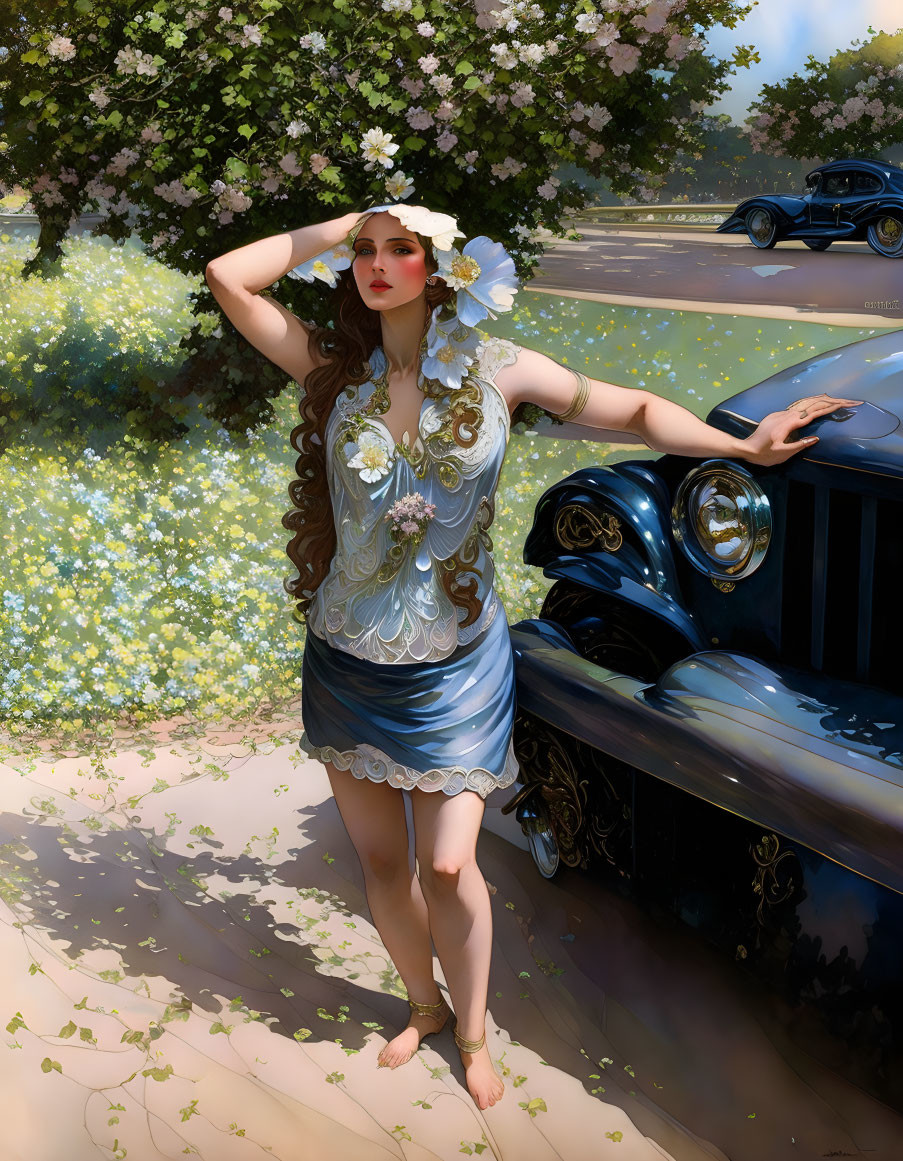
661,424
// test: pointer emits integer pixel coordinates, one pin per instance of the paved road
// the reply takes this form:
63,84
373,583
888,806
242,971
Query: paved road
725,269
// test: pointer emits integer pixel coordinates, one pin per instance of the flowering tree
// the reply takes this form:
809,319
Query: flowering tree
852,104
201,126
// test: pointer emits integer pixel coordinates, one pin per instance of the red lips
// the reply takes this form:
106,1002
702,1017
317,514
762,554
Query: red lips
378,283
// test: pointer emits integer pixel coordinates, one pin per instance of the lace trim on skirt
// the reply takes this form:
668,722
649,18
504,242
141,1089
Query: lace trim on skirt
366,761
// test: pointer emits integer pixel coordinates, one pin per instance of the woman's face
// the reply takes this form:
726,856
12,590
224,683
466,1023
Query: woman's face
388,253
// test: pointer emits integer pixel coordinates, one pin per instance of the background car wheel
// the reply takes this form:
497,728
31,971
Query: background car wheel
885,236
761,228
817,243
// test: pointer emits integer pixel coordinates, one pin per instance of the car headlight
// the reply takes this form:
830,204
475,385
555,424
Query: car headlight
721,518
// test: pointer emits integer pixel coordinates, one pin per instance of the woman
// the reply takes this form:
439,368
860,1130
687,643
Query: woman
408,678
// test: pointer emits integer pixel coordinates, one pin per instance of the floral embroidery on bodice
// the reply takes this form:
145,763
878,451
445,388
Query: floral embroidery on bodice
402,512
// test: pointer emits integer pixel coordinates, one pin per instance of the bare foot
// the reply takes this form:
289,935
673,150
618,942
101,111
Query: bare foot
400,1049
483,1083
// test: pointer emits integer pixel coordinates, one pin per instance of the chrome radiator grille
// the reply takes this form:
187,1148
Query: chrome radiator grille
842,600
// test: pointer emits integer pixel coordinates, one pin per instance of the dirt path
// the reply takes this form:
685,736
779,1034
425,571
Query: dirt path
188,966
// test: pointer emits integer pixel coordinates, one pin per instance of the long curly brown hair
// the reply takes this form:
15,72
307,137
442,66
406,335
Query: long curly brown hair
346,349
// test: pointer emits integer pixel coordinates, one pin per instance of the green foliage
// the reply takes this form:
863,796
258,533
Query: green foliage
200,134
94,349
850,105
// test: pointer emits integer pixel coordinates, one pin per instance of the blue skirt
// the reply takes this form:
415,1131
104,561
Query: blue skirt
434,725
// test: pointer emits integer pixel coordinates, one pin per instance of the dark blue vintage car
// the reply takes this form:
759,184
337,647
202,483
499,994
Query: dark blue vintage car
710,703
850,201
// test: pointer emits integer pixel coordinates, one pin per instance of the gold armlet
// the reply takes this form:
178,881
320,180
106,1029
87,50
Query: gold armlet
581,395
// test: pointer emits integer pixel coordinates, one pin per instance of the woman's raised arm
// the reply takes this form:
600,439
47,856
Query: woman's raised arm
237,278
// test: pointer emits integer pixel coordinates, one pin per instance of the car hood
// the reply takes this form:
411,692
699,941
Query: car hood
868,437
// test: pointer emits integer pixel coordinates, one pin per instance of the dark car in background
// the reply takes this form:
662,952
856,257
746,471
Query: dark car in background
855,200
710,703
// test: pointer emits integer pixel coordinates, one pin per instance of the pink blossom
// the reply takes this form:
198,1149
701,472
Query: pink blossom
655,18
447,111
522,94
446,140
853,108
429,63
289,163
419,118
678,47
318,162
624,58
605,34
413,87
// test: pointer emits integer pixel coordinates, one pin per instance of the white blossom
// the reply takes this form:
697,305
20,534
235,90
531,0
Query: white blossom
315,41
377,146
398,185
549,188
442,83
504,57
61,47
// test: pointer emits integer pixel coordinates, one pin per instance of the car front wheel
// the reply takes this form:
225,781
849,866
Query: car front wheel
761,228
817,243
885,236
543,844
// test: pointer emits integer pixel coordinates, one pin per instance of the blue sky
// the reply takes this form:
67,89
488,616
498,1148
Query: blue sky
785,32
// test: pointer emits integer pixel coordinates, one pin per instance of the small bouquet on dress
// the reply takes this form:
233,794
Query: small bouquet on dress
409,517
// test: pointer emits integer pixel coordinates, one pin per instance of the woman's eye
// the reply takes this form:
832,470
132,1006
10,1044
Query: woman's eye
398,250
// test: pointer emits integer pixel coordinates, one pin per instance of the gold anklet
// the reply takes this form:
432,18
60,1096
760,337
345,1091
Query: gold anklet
431,1010
470,1046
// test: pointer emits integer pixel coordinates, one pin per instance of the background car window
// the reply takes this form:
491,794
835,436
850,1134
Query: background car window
866,183
835,185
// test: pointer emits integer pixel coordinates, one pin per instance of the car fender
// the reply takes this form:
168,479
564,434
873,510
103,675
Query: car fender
640,570
891,207
640,503
817,759
786,209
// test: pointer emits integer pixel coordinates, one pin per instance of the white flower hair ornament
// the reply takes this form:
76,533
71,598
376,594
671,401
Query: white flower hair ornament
482,275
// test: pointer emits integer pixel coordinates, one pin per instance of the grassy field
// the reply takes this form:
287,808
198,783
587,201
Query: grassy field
147,581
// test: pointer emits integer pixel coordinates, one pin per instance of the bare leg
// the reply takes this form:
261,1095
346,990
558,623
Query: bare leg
446,829
373,814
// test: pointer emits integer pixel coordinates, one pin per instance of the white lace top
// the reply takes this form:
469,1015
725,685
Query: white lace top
384,600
